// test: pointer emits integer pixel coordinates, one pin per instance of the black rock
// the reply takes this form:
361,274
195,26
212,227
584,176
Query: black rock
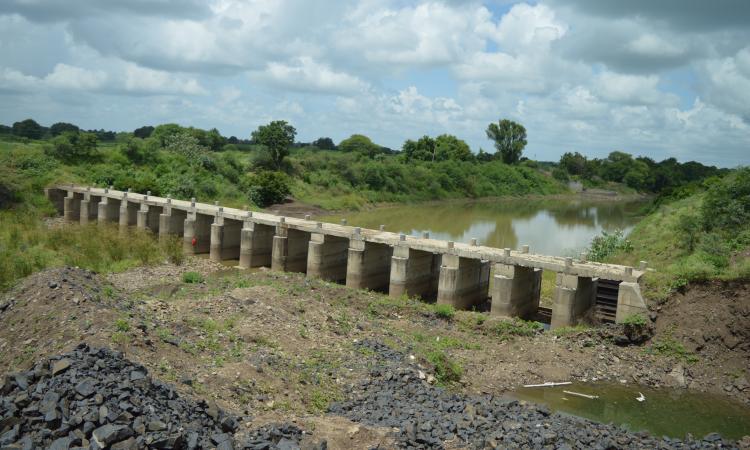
109,434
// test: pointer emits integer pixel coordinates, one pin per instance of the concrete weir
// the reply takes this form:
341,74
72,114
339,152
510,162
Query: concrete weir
466,276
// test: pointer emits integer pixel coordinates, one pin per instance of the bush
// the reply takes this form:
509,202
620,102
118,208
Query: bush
73,147
446,370
726,206
192,277
444,311
507,329
608,244
688,228
269,188
560,175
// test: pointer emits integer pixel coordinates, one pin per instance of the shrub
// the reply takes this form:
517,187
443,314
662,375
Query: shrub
635,319
726,206
507,329
192,277
688,229
73,147
269,188
608,244
446,370
444,311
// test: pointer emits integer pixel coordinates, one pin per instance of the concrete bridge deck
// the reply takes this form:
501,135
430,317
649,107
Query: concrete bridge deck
453,272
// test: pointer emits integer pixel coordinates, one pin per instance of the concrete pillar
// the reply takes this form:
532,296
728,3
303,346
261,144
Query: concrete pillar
128,214
197,234
109,210
57,198
464,282
72,207
413,272
629,301
256,244
172,222
225,239
148,217
516,291
368,265
574,300
89,208
327,257
289,252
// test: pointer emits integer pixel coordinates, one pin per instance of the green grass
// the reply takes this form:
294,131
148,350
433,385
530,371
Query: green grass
508,329
444,311
447,370
192,277
669,347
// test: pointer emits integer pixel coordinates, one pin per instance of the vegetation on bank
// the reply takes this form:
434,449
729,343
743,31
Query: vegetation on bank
702,236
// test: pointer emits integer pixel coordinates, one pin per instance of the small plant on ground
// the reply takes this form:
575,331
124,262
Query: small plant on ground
122,325
670,347
192,277
567,331
444,311
507,329
635,320
446,370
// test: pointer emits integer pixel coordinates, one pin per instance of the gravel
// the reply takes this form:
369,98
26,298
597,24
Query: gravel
426,416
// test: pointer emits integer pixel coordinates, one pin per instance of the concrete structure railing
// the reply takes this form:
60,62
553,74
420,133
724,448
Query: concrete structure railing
454,273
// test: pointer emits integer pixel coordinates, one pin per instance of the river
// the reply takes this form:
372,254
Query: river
558,226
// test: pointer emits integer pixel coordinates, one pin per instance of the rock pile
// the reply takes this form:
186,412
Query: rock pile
96,399
430,417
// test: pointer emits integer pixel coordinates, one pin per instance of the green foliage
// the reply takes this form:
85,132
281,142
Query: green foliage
122,325
72,147
608,244
276,137
509,138
324,143
726,206
359,143
668,346
192,277
28,128
445,147
143,132
507,329
62,127
444,311
635,320
269,188
446,369
688,228
560,175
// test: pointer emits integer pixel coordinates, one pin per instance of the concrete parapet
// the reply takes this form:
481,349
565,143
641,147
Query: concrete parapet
574,300
464,282
413,272
368,265
327,257
225,239
196,238
516,291
109,210
256,245
629,301
289,251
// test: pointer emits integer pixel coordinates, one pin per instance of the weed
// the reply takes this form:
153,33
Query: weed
108,291
635,320
446,370
670,347
122,325
120,337
444,311
507,329
192,277
566,331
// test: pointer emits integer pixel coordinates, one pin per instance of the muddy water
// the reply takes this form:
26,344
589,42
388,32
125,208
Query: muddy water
561,227
664,412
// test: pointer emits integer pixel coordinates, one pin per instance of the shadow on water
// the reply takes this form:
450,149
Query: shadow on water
664,412
550,226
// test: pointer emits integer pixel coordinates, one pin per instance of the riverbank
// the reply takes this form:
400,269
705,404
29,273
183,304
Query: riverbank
280,347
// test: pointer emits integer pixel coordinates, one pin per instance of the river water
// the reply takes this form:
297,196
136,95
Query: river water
559,227
664,412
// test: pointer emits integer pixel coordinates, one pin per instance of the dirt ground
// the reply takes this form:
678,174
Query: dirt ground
270,346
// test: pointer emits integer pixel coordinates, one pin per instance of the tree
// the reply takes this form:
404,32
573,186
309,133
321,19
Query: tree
573,163
509,138
422,150
616,166
277,137
73,147
324,143
5,129
269,188
28,128
361,144
143,132
449,147
61,127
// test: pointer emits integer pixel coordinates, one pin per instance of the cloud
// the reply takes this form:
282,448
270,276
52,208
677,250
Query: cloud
54,11
306,75
726,82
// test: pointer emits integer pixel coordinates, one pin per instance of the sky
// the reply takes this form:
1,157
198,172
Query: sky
667,78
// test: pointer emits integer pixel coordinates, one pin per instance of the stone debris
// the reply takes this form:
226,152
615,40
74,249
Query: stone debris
429,417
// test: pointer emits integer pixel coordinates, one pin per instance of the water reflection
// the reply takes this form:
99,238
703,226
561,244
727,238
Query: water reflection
555,227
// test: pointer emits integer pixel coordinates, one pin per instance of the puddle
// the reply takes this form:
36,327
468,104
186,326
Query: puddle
664,412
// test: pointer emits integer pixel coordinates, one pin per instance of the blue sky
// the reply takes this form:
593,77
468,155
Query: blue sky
663,79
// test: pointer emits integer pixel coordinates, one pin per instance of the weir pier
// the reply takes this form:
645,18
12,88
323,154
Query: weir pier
465,276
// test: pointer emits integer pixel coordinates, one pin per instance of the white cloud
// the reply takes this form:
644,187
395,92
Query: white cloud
529,28
148,81
65,76
305,74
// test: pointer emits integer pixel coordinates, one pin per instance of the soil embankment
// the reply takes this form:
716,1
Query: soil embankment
277,348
